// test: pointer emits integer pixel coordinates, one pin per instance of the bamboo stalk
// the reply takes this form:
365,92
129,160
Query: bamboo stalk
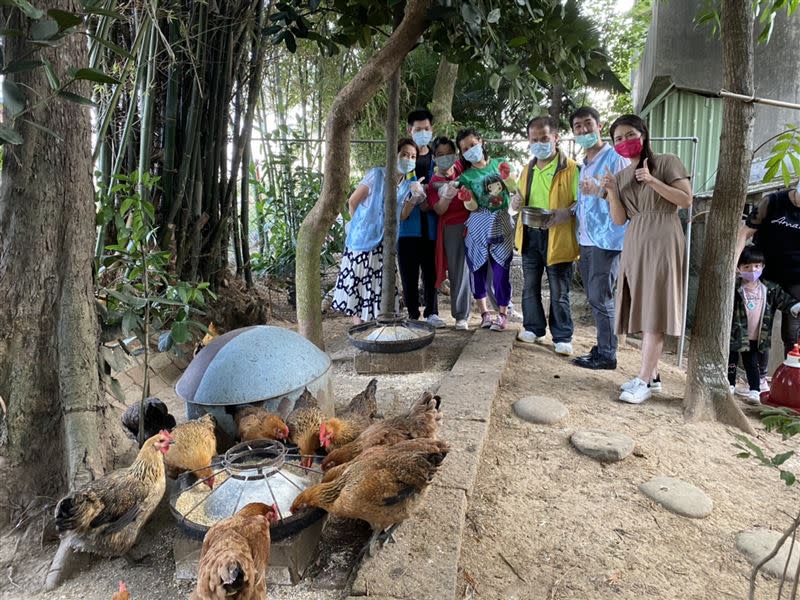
245,216
169,149
146,126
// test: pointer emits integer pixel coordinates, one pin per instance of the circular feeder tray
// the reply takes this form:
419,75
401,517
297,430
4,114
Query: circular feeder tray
391,335
256,471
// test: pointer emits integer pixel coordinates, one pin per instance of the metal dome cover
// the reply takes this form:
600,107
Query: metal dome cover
251,364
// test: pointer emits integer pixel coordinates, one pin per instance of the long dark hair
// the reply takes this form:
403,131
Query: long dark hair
465,133
639,125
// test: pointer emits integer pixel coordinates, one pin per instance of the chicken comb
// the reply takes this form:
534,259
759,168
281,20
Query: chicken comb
323,430
165,433
122,588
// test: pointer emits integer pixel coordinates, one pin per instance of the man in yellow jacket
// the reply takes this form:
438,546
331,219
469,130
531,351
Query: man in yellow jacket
549,181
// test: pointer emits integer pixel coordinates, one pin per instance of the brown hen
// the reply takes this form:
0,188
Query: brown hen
304,422
233,561
421,421
194,448
382,487
106,515
255,423
344,428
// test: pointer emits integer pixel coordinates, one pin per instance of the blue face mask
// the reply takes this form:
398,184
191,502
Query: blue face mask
422,138
542,150
406,165
445,162
474,154
587,140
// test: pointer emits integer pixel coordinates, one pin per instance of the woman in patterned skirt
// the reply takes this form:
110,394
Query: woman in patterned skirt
358,286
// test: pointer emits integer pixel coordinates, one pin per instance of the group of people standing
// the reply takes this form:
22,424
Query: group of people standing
616,215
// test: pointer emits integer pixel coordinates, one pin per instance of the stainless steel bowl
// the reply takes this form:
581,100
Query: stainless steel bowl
535,217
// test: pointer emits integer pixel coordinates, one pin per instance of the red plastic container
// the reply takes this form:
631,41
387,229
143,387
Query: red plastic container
785,387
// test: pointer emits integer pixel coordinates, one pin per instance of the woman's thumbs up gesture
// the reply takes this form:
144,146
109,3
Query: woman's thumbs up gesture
643,175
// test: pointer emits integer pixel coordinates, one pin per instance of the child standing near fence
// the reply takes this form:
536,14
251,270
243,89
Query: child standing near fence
754,307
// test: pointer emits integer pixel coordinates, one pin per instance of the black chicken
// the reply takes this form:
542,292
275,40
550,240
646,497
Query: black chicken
156,418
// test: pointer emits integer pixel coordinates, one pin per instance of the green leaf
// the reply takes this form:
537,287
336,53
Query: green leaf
52,78
64,19
494,81
180,332
111,46
493,16
27,8
779,459
127,299
19,66
129,322
92,75
517,41
77,99
165,341
44,29
788,477
511,71
9,136
13,97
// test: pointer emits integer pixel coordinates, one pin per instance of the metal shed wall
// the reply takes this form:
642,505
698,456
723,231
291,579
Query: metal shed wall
683,113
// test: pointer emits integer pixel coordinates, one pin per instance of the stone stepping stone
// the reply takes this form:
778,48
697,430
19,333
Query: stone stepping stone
605,446
756,543
678,497
541,410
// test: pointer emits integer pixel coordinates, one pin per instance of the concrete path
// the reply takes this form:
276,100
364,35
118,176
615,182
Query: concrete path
423,564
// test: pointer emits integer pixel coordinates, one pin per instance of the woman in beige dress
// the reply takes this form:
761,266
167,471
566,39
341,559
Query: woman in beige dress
648,193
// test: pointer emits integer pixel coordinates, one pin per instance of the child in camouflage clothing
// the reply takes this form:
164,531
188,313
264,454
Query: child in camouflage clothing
754,307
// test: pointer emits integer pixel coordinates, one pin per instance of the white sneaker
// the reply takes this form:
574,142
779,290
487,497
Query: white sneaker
733,389
564,348
514,316
764,387
435,321
753,397
654,385
637,392
462,325
527,337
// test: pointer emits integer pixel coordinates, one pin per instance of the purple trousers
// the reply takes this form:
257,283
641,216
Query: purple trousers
501,281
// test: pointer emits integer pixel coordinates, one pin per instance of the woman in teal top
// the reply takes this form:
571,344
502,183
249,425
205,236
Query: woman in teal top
358,287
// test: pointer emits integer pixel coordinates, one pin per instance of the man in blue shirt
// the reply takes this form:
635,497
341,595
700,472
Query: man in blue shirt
600,240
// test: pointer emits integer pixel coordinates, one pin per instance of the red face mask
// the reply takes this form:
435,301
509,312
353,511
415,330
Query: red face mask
629,148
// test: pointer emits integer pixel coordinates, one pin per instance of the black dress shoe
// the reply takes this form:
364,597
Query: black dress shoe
596,362
590,356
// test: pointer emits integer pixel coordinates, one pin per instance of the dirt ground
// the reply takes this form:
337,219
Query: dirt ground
25,553
546,522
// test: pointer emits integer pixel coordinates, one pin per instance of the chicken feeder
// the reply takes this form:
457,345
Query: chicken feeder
254,471
391,334
260,365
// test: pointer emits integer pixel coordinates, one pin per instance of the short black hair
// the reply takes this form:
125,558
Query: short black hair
542,121
465,133
750,255
406,142
443,140
421,114
584,111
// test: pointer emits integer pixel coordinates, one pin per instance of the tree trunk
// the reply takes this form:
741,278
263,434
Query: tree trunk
707,394
338,130
444,89
389,275
556,102
48,327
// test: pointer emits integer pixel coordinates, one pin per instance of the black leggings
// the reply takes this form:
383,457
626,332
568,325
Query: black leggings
750,361
415,254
